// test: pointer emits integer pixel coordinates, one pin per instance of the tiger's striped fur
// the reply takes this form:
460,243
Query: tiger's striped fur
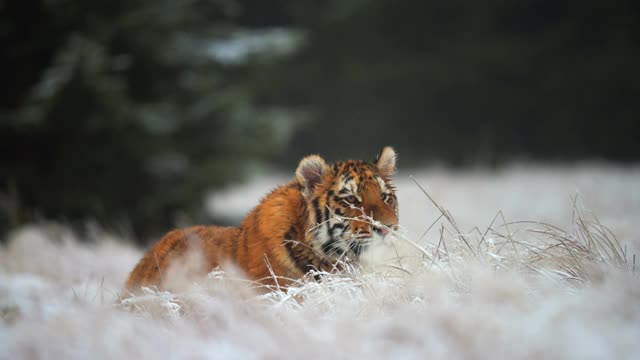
325,214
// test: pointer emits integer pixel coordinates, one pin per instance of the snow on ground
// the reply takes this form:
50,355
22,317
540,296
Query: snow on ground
501,290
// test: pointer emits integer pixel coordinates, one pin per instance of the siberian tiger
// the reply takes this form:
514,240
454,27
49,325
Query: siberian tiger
328,213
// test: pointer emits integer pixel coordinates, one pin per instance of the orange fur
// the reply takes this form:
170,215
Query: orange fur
309,223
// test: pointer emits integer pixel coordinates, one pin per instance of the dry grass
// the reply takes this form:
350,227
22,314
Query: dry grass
524,289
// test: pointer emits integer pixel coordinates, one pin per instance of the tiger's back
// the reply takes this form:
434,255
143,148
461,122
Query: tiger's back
213,243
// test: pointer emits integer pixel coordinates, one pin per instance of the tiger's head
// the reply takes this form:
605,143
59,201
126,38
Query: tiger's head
350,204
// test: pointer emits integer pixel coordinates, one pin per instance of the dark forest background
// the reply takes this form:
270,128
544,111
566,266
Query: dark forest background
127,112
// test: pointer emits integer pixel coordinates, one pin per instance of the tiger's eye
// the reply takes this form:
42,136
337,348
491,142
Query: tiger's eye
351,199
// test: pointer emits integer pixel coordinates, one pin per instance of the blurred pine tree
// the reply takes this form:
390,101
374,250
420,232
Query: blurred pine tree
127,112
131,110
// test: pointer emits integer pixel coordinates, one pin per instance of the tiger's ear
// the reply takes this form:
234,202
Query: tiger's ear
386,161
310,172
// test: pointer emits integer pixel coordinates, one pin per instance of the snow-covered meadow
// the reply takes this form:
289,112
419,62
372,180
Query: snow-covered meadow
525,262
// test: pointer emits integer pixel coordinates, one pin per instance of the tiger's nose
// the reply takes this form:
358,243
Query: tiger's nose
382,231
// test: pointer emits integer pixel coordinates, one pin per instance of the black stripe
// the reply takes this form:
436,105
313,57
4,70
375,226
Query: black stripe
330,247
291,234
357,247
294,249
326,213
329,228
316,208
338,226
302,265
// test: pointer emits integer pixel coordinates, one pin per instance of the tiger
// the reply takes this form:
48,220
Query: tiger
328,213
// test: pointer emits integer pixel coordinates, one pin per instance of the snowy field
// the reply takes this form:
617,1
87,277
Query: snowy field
524,262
